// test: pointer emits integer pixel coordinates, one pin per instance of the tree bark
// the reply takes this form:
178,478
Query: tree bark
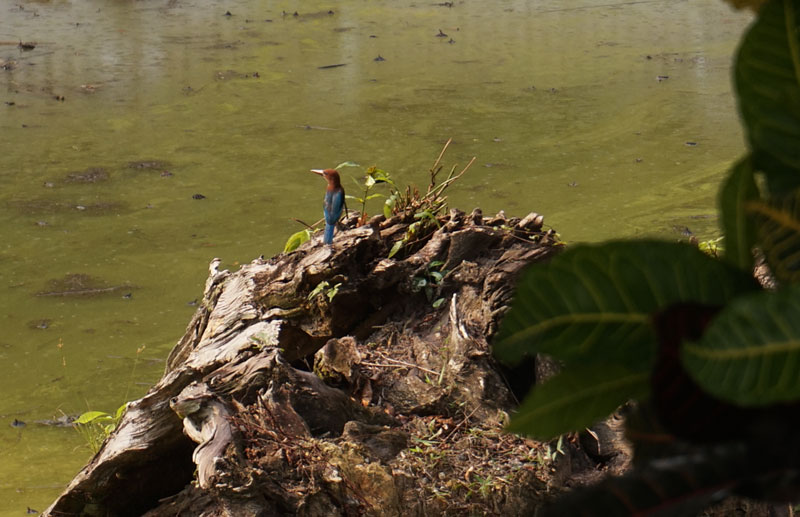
377,396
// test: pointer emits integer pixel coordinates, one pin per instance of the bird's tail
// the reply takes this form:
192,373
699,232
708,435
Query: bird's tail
328,233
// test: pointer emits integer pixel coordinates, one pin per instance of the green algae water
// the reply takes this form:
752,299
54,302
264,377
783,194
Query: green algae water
142,139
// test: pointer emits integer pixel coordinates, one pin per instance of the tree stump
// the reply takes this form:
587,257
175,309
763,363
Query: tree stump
377,396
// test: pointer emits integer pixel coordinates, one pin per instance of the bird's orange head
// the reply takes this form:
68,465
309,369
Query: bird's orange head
331,175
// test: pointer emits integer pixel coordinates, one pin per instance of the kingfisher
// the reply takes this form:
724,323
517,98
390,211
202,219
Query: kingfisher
334,201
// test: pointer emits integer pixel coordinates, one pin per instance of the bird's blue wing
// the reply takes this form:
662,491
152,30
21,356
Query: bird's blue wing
334,202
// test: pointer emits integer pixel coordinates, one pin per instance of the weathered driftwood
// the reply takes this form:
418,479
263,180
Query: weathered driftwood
370,402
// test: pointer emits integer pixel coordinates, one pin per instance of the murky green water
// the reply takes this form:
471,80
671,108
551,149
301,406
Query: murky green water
558,100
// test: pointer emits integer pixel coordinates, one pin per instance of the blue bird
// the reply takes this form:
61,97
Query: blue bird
334,201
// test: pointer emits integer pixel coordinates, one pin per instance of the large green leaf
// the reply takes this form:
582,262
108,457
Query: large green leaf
593,302
750,353
777,223
738,189
576,398
767,79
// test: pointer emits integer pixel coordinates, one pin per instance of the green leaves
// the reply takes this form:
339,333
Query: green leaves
390,204
591,308
425,221
767,79
92,416
373,176
396,247
427,215
296,240
584,393
346,164
325,287
777,222
739,189
594,302
95,426
429,283
750,353
364,199
376,175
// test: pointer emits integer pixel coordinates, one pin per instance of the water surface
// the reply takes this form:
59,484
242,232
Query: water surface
561,102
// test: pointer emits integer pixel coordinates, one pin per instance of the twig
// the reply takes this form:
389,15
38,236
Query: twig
450,178
441,154
304,223
436,167
379,365
467,167
466,419
408,365
434,191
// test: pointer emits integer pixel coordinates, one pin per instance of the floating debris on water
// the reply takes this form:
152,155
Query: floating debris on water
42,324
79,284
149,164
90,175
